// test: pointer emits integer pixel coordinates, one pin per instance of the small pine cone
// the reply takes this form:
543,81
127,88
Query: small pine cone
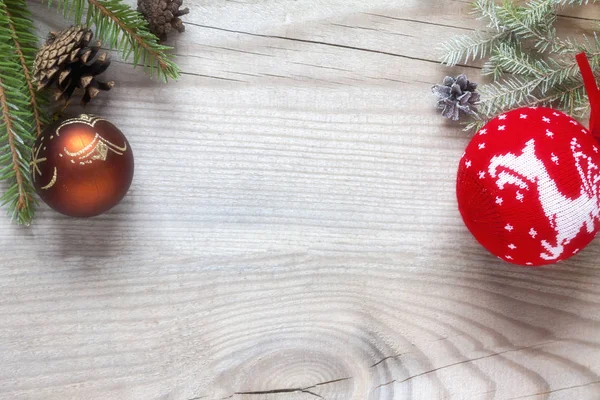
162,16
70,61
456,95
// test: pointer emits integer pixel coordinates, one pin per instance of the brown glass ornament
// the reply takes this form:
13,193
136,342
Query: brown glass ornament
82,166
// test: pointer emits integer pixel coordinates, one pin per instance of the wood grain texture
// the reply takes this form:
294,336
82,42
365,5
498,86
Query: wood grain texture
291,232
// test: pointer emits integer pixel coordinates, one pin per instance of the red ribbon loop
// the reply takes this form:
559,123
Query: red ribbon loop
592,91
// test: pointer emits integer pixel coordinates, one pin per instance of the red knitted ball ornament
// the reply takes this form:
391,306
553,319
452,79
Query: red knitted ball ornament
528,185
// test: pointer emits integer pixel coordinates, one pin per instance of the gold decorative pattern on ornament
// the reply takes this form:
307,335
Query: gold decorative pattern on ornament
87,117
97,149
36,161
89,120
52,181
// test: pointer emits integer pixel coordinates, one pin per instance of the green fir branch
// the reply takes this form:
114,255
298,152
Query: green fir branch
508,93
511,59
529,23
486,10
17,119
540,12
465,48
125,30
570,96
25,45
528,63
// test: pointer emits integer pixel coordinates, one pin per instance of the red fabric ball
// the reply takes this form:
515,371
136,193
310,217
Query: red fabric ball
527,186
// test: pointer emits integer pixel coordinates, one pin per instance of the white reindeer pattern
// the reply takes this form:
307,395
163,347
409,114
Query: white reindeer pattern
567,216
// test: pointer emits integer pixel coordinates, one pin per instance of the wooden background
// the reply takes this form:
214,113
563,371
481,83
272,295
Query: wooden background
292,231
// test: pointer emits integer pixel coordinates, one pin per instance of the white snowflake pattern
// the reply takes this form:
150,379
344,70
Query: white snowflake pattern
481,174
549,133
481,146
502,117
501,127
523,116
528,263
468,164
575,251
546,120
483,131
520,196
584,131
595,149
512,246
554,158
463,154
532,233
499,200
509,227
573,122
556,114
508,257
533,107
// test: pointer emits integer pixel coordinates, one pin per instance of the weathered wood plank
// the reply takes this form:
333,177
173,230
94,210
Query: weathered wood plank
291,232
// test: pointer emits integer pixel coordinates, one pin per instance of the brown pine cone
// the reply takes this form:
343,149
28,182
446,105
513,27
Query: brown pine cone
70,61
162,16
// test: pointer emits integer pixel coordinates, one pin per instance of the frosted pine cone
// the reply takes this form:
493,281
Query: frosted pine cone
163,16
456,95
